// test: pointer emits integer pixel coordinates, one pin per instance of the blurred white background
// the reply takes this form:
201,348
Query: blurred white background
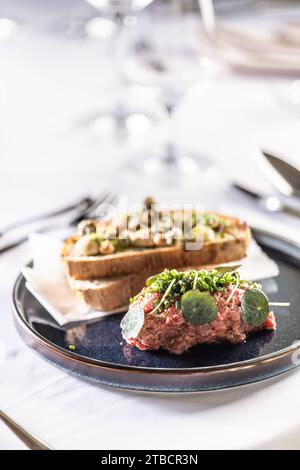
51,80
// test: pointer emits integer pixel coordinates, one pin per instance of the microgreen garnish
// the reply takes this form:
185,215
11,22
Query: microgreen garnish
211,281
195,280
164,296
233,290
151,279
203,280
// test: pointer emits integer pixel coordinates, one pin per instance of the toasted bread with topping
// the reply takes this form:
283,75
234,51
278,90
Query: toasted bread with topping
225,239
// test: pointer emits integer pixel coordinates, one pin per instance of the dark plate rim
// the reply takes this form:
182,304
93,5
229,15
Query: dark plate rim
250,363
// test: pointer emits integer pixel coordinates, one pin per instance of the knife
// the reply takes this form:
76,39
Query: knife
269,203
32,442
284,176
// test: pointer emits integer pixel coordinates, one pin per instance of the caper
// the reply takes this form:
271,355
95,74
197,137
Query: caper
142,238
86,246
106,248
86,227
134,223
159,239
165,223
232,232
149,202
205,233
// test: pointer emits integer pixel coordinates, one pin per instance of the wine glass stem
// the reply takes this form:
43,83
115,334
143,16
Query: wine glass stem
118,48
119,45
171,154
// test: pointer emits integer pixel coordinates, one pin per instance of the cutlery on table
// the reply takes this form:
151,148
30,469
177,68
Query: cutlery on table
29,440
82,204
269,203
98,206
284,176
97,209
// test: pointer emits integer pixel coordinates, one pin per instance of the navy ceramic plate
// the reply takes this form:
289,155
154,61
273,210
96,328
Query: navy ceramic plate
101,355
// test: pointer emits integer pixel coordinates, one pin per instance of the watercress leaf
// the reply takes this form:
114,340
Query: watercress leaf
133,321
255,307
198,307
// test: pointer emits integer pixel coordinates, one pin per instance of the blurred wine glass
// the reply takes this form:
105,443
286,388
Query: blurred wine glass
171,58
124,113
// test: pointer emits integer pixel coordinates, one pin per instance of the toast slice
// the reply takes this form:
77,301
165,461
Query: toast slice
113,293
108,294
231,247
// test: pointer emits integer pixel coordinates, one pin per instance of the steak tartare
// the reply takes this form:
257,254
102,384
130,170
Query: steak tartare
177,310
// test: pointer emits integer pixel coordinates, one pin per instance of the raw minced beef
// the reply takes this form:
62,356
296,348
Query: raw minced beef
169,330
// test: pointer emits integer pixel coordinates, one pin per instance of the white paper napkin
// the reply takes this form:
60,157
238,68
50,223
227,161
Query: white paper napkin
48,283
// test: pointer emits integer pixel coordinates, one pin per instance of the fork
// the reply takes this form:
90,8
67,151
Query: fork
103,199
31,441
82,204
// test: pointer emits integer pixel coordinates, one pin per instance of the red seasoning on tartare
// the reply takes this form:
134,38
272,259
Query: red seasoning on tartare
177,310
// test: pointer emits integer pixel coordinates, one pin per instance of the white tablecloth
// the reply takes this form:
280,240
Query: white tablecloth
48,84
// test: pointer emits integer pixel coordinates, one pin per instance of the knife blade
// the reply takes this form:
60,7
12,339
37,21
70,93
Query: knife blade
284,176
269,203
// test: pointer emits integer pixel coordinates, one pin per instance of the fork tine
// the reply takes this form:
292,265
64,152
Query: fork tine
108,199
101,210
103,198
